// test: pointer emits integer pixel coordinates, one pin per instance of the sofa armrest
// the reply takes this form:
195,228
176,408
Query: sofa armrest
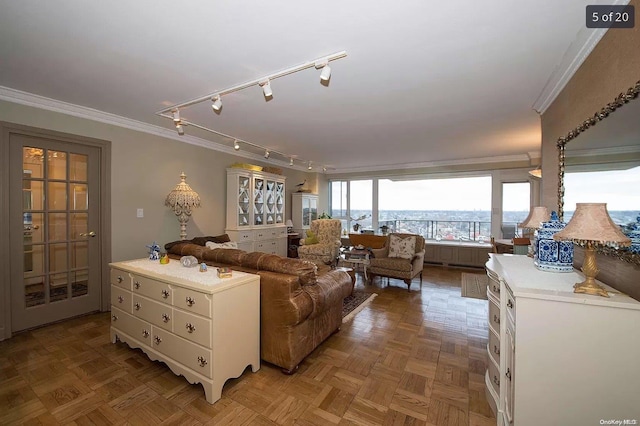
283,300
418,260
330,290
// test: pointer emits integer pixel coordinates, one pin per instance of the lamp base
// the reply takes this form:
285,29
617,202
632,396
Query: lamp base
588,286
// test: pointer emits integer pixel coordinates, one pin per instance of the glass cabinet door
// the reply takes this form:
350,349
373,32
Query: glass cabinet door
258,201
270,196
313,209
305,211
243,201
279,202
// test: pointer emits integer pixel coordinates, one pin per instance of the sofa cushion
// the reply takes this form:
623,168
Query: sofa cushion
393,263
402,247
227,245
201,241
228,256
307,272
311,238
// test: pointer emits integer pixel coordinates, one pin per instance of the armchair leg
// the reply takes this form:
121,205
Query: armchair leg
408,283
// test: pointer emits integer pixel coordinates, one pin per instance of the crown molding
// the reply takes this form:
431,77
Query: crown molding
582,46
36,101
519,158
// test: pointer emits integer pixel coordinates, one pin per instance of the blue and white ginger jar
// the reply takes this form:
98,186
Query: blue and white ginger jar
551,255
633,232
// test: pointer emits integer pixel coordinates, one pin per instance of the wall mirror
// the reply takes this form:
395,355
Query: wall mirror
599,161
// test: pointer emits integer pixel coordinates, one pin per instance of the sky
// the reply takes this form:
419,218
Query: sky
620,189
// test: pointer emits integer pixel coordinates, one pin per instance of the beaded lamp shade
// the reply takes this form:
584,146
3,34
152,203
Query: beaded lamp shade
591,226
181,200
536,217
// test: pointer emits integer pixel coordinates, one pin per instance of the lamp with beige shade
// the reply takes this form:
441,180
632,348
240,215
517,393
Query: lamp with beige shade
591,226
537,216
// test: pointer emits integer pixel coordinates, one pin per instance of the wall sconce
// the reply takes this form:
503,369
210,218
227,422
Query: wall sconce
182,199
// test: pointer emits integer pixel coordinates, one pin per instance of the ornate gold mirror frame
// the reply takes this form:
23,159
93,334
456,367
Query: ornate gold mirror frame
621,100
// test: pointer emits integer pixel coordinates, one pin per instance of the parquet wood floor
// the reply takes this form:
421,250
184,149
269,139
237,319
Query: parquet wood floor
409,358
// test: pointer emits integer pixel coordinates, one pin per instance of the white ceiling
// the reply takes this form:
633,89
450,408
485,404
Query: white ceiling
423,83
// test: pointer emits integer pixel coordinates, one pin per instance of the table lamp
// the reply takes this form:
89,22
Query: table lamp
537,216
591,226
181,200
289,225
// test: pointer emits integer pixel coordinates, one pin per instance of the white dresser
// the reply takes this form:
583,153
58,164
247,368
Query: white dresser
556,357
204,328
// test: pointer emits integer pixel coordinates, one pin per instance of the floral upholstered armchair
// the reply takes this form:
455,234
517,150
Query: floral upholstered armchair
402,257
322,244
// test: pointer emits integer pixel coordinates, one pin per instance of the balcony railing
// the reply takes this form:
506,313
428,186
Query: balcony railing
454,230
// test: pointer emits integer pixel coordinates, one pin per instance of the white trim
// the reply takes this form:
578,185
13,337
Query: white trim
29,99
593,152
584,43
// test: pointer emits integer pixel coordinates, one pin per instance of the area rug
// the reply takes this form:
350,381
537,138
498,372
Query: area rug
354,303
474,285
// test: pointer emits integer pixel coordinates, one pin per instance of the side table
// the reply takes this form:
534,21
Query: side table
293,241
355,259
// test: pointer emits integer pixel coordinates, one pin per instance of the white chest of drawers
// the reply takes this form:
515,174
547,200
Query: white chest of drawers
557,357
204,328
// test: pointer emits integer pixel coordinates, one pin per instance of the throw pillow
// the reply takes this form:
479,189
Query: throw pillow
404,248
227,245
311,238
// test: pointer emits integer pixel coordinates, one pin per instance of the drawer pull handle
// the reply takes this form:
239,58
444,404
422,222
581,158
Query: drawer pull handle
120,299
145,333
157,339
114,317
496,319
190,301
496,350
496,381
202,361
136,285
137,306
165,294
119,279
190,327
508,374
509,304
165,317
496,289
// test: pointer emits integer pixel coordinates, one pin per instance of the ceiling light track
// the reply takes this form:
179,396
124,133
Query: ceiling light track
321,62
268,153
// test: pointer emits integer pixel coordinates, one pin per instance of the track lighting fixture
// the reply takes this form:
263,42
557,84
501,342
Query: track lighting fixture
236,145
217,103
176,116
324,170
266,88
325,75
291,161
179,128
266,153
309,166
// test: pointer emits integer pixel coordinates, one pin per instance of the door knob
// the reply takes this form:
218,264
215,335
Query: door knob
90,234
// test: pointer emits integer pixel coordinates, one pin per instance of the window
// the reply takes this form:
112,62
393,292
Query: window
515,207
453,208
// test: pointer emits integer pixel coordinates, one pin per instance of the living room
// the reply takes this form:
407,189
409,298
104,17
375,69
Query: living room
143,163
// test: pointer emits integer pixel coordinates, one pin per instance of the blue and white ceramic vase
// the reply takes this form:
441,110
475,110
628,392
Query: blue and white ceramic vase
633,232
551,255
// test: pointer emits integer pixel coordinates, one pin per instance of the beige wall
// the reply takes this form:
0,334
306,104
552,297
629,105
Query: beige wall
144,169
612,68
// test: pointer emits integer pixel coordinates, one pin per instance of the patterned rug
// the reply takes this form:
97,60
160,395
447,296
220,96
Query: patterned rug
354,303
474,285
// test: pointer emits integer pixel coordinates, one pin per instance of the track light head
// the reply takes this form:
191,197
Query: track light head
176,116
179,128
217,103
236,145
266,153
325,75
266,88
309,166
291,161
324,169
